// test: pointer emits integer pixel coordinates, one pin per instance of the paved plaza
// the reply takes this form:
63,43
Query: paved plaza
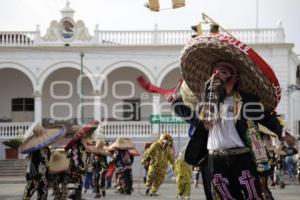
13,191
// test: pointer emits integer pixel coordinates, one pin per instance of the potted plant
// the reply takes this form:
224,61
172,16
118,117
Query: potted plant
13,144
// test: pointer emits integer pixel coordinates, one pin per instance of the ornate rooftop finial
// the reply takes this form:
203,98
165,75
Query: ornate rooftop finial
67,11
279,23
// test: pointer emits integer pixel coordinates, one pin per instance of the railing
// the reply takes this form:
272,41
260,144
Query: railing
176,130
112,129
180,37
127,129
13,129
19,38
152,37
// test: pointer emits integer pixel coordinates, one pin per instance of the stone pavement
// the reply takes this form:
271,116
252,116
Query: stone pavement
14,191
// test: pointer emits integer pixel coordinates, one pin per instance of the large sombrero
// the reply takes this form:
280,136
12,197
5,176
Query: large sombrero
187,95
121,143
83,132
256,76
59,161
41,137
100,148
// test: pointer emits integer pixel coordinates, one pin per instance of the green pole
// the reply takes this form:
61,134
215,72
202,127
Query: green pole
81,84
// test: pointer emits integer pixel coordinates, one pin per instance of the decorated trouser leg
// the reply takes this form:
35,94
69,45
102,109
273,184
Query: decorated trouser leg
96,183
102,182
235,177
64,187
76,194
265,189
42,190
121,180
30,188
60,188
56,189
206,180
128,181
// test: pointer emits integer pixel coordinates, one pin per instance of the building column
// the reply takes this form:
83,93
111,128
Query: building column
38,107
97,107
156,111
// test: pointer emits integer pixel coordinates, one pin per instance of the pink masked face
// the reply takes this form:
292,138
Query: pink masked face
227,73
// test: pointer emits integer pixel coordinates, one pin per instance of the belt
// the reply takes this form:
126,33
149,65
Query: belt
226,152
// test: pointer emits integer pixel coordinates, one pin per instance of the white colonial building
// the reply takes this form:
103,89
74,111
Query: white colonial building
40,76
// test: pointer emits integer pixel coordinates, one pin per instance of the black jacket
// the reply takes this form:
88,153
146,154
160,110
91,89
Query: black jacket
250,108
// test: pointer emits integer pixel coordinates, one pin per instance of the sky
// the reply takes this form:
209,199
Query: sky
132,15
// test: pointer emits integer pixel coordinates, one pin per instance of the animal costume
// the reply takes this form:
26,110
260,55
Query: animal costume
159,154
183,172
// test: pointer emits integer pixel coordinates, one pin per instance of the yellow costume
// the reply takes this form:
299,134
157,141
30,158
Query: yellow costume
158,155
183,173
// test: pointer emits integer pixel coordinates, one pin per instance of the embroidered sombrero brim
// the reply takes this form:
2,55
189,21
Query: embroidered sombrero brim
84,132
121,143
36,142
201,54
59,161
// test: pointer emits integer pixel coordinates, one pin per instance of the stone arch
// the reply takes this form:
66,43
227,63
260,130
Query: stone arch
164,72
52,68
25,70
120,64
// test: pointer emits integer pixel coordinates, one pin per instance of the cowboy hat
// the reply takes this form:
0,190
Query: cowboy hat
41,137
82,132
59,161
202,53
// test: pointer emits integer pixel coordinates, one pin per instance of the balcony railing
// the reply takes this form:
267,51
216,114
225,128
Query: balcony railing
127,129
112,129
135,38
13,129
17,38
180,37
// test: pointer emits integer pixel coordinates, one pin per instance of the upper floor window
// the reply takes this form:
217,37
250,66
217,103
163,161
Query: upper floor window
22,104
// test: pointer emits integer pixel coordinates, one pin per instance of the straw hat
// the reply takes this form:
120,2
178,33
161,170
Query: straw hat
59,161
279,150
121,143
83,132
188,96
41,137
134,152
100,148
201,54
